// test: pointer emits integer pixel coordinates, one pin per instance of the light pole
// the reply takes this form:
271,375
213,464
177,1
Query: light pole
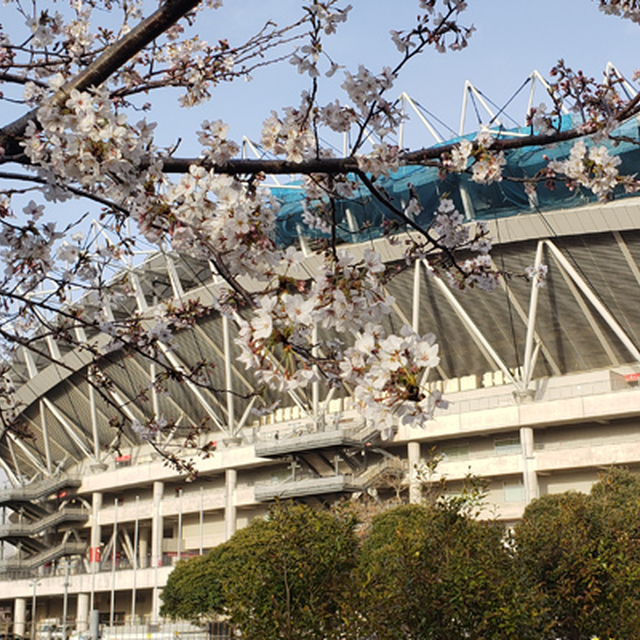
34,583
65,602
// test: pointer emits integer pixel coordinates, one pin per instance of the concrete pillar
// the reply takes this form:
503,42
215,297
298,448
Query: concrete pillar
413,459
94,624
529,475
96,533
156,547
231,480
143,548
157,525
82,613
20,616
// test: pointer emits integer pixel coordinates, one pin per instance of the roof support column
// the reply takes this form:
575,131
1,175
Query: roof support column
82,613
415,315
176,364
489,352
67,426
45,435
33,372
530,353
93,409
627,255
227,375
155,403
14,440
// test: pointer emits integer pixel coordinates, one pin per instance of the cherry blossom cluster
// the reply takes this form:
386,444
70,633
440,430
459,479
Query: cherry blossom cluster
454,233
387,371
349,293
276,343
595,103
192,62
368,108
27,250
629,9
389,375
89,143
486,164
324,18
218,216
381,161
147,334
345,294
454,236
437,26
540,119
537,275
290,135
213,138
9,411
593,167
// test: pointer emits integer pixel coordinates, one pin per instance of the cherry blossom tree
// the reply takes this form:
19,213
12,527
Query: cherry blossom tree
85,90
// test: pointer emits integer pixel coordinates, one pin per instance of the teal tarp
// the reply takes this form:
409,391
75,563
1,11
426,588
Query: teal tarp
500,199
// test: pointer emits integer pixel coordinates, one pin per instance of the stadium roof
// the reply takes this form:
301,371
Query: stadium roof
585,317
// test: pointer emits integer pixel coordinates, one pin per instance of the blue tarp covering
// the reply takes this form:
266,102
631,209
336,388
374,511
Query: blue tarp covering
500,199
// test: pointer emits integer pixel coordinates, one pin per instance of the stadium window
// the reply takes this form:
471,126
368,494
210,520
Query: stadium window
506,446
513,490
455,452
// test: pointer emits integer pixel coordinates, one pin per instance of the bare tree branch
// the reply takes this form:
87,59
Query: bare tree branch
112,59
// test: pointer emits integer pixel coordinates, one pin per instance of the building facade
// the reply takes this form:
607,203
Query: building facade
542,385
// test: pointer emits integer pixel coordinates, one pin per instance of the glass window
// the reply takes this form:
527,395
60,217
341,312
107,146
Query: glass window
513,490
506,446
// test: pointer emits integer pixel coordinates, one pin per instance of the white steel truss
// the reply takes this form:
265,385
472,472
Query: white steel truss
588,293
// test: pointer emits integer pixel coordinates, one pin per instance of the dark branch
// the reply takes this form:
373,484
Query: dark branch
110,61
333,166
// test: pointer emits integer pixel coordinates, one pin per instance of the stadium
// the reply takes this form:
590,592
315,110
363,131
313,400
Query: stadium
541,381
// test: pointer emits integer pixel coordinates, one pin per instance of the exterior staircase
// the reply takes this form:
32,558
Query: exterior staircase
70,548
40,527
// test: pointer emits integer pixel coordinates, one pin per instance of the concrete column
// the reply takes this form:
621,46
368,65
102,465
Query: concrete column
20,616
143,548
82,613
231,480
96,532
413,460
156,603
156,547
94,624
529,475
157,525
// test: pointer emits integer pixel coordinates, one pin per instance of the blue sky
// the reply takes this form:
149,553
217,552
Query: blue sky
513,37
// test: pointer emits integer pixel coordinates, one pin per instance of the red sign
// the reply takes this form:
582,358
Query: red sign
632,377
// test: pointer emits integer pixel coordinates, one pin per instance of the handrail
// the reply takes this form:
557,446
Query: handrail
63,549
37,490
25,529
